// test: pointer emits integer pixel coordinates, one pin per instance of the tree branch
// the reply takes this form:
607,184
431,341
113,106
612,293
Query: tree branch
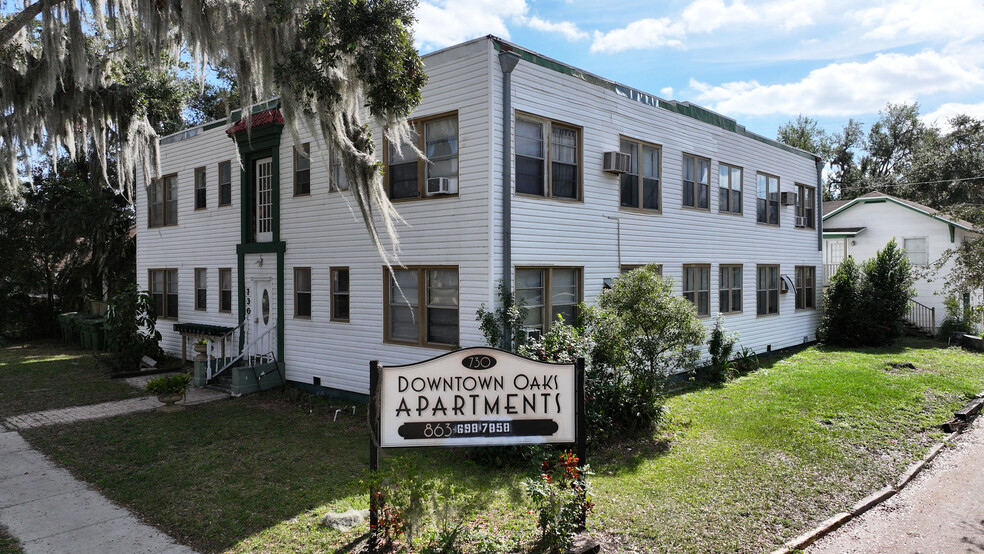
21,20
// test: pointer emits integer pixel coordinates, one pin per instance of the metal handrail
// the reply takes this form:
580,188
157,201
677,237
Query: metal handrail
921,316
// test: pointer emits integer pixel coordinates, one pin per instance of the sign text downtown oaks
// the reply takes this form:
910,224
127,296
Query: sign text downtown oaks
477,397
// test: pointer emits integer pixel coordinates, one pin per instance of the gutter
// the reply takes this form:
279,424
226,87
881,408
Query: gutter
819,217
507,61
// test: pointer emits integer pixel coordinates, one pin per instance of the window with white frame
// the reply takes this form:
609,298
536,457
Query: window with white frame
410,177
340,293
806,287
225,289
302,292
640,185
339,181
422,306
302,169
225,183
547,158
767,290
767,199
696,182
729,189
201,288
548,293
729,288
697,287
164,292
916,250
201,190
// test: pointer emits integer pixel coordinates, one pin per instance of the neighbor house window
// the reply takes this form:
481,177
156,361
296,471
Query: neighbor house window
302,169
162,201
547,158
806,286
696,181
729,289
410,177
302,292
201,191
422,306
640,186
729,189
340,293
339,181
767,199
225,183
767,290
164,292
697,287
806,202
548,293
225,289
916,251
201,288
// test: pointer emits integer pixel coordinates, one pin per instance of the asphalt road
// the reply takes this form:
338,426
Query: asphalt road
941,510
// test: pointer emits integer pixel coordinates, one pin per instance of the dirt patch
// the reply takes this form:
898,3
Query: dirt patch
902,368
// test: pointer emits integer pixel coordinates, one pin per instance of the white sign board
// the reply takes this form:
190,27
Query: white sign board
477,397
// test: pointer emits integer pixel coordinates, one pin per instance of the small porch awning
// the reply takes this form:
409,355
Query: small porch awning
201,330
842,232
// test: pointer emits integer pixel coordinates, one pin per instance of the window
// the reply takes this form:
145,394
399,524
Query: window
806,286
302,292
767,290
729,289
201,288
162,201
201,193
340,293
916,251
263,176
302,169
164,292
225,184
696,181
729,188
767,199
640,186
225,289
409,177
547,162
339,181
806,202
697,287
548,293
437,291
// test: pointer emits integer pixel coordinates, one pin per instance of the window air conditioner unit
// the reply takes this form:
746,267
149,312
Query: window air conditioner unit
788,198
801,221
616,162
438,185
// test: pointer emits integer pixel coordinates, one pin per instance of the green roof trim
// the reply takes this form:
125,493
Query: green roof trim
202,329
687,109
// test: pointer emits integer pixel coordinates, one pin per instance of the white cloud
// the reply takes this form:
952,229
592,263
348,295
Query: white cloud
638,35
847,88
667,92
941,116
447,22
950,20
569,30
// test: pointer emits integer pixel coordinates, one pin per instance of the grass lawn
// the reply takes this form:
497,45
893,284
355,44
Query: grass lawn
46,375
742,467
8,545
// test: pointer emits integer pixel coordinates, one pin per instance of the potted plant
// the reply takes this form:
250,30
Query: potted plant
201,346
169,389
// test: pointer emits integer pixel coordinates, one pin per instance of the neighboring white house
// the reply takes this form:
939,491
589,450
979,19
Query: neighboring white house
600,178
863,226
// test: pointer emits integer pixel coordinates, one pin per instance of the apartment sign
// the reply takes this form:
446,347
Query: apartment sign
478,397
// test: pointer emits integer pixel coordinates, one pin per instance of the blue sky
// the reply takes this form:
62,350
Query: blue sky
760,62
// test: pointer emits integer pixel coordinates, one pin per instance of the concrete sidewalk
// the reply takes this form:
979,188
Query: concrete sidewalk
50,512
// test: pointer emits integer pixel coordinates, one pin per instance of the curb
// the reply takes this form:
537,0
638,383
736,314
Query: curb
867,503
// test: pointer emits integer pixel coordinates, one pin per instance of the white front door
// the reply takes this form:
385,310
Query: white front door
261,311
263,177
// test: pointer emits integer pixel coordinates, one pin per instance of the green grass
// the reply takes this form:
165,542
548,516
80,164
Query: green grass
46,375
8,544
742,467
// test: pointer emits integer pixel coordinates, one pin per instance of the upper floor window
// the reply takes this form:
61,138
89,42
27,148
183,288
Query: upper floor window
729,187
225,183
767,199
548,293
302,169
164,292
806,206
422,306
916,251
339,181
410,177
162,201
547,158
696,181
201,192
640,186
697,287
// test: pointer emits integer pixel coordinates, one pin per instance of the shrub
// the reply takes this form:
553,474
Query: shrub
131,329
842,321
561,498
504,321
169,384
720,346
957,320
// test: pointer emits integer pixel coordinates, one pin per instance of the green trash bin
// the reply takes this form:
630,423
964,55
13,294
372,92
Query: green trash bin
65,326
92,334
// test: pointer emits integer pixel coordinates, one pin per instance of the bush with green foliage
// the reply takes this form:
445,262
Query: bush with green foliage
169,384
958,320
504,321
561,498
131,329
866,305
720,346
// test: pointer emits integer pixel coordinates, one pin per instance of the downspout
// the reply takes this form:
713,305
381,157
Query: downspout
507,61
820,166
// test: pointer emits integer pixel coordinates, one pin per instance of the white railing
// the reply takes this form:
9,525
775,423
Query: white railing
828,272
261,349
255,351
